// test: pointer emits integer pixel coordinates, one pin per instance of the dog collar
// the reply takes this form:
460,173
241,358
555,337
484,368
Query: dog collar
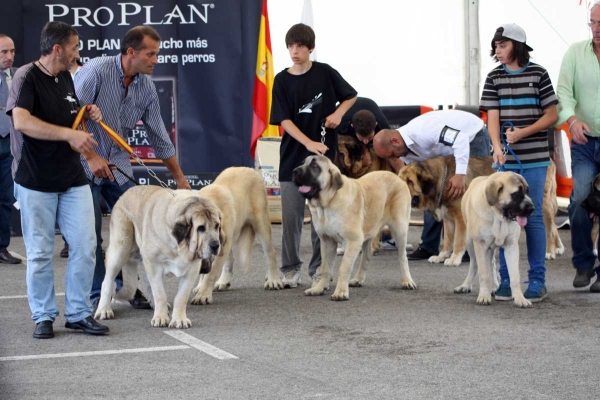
439,199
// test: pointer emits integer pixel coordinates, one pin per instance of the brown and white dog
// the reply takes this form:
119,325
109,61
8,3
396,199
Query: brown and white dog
352,212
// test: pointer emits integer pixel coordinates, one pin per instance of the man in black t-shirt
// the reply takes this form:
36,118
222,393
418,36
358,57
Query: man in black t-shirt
50,184
304,104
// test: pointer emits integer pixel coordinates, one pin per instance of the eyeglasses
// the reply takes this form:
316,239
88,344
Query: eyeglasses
594,24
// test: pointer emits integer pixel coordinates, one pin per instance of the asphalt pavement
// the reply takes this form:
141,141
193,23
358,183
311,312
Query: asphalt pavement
384,343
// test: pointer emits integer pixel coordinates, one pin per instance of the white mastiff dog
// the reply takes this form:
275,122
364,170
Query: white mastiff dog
495,208
170,232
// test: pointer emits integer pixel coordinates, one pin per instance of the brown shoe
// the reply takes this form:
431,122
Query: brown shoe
7,258
64,253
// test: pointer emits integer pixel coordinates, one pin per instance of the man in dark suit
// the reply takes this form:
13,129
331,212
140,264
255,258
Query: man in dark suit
7,57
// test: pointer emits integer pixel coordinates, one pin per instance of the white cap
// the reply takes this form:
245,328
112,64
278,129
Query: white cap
513,32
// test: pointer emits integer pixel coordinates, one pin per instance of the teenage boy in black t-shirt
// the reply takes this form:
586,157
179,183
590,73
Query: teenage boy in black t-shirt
304,100
50,183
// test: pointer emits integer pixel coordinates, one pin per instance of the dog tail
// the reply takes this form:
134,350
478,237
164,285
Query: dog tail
243,247
130,279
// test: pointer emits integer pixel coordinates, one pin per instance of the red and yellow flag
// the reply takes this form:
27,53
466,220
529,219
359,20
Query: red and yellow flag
263,84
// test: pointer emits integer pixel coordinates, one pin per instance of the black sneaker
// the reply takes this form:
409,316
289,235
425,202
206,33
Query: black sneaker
583,277
595,288
420,254
139,301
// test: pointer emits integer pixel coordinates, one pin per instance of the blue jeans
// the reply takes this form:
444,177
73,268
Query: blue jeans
74,212
6,192
585,165
535,231
110,191
432,229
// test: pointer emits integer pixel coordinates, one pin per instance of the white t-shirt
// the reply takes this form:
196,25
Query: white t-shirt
441,133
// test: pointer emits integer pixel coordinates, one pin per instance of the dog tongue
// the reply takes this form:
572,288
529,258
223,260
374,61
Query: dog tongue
304,189
522,221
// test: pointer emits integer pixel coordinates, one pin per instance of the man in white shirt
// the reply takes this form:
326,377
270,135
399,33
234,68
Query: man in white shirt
434,134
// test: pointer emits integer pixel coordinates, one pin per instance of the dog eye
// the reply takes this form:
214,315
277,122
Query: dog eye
201,228
217,226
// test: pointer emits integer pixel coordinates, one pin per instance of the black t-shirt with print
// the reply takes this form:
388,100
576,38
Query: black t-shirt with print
45,165
306,100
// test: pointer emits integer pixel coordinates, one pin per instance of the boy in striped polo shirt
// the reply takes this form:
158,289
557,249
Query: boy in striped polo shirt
520,92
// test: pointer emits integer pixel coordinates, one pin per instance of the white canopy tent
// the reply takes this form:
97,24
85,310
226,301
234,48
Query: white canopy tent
425,52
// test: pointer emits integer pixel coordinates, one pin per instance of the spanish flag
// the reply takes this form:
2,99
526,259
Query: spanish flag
263,84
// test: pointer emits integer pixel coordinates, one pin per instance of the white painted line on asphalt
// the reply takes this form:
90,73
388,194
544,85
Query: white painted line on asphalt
22,296
200,345
93,353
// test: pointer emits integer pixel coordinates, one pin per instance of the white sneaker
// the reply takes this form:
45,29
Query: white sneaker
291,279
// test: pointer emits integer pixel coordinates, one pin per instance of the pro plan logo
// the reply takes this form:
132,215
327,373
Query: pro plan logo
104,16
72,102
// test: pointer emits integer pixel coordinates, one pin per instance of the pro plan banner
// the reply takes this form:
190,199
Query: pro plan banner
205,74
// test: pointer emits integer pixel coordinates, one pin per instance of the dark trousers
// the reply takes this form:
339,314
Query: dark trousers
7,192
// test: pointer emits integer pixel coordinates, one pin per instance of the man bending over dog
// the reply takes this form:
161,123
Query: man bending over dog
438,133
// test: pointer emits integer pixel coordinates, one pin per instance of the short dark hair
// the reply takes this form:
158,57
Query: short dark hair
519,52
134,38
302,34
55,32
364,122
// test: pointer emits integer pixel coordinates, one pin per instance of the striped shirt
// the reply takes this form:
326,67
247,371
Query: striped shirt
101,82
521,96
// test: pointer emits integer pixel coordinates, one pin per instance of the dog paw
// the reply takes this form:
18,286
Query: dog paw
221,286
340,295
436,259
180,323
550,256
159,321
356,283
453,261
273,284
408,285
522,302
315,291
202,299
462,289
561,250
104,314
484,299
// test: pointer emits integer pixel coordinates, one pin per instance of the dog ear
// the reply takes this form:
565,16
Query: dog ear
524,183
492,191
181,231
427,186
336,180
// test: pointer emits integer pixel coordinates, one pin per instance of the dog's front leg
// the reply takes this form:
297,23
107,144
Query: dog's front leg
467,285
204,290
161,312
511,255
484,268
458,247
328,254
447,243
186,283
342,291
